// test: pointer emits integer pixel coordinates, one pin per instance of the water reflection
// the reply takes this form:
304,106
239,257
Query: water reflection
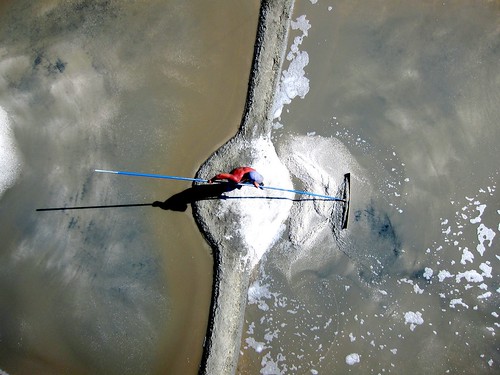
87,84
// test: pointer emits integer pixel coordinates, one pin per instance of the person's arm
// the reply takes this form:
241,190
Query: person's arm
224,176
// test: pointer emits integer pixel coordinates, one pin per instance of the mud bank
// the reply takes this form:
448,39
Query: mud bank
235,251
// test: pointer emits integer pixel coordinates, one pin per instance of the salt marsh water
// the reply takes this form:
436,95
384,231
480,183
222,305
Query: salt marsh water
401,94
151,87
404,96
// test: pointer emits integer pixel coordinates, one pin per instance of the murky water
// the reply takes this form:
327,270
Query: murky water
152,87
410,89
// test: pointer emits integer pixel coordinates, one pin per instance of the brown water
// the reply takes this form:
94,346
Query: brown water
411,90
150,87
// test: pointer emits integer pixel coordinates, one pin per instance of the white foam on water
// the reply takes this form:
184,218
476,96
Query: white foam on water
10,158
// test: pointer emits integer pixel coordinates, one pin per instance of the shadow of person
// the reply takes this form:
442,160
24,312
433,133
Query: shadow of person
179,202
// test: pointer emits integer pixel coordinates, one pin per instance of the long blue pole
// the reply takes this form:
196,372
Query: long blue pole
137,174
150,175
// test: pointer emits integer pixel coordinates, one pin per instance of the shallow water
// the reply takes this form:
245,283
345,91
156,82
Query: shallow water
110,85
410,90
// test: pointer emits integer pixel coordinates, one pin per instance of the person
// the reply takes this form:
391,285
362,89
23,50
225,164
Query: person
241,174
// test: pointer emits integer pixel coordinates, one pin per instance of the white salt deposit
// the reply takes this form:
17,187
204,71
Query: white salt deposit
458,301
261,220
472,276
477,219
413,319
257,293
428,272
256,345
484,295
443,274
271,366
293,82
319,163
352,359
10,159
484,234
467,256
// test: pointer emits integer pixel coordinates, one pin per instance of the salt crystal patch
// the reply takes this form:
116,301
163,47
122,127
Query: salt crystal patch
484,295
259,232
486,270
352,359
413,319
10,160
443,274
417,289
484,234
471,276
467,256
271,366
477,219
293,82
458,301
257,294
256,345
428,273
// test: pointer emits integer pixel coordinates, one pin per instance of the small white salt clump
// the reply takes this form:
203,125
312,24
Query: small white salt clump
484,234
428,273
467,256
413,319
352,359
458,301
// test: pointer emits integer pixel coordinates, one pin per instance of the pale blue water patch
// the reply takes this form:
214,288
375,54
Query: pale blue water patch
410,92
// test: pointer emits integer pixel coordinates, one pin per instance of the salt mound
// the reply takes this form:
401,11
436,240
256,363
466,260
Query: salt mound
10,160
259,214
320,164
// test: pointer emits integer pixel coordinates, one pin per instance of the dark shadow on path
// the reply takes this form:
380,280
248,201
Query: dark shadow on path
180,201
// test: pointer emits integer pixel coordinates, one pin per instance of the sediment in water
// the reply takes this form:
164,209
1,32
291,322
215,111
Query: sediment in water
233,255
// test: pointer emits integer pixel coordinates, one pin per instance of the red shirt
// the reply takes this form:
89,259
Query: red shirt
236,175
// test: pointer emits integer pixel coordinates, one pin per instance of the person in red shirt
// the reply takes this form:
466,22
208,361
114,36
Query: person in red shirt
241,174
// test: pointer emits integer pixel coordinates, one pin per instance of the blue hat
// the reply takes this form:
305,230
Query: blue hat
255,176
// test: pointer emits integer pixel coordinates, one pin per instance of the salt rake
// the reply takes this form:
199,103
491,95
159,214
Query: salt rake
345,194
